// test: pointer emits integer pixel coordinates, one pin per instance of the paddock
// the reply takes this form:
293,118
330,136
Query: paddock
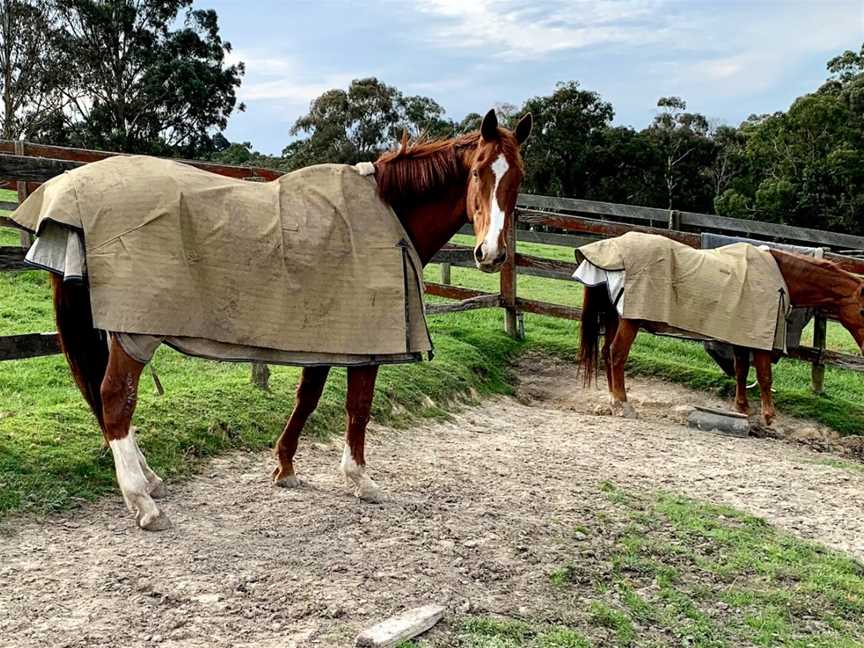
484,522
520,515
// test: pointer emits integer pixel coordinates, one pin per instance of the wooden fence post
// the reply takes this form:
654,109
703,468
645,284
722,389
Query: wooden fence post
445,274
508,286
26,238
817,373
261,375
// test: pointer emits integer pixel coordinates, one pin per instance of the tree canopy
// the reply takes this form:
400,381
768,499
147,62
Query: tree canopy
140,76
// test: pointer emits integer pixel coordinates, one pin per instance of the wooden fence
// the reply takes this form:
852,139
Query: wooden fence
574,221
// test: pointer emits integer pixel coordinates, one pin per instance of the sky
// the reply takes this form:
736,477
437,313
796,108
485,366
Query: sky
727,58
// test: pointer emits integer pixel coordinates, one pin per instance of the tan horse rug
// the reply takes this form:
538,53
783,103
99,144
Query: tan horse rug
313,263
735,293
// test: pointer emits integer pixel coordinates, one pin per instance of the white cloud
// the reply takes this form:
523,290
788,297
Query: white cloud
283,79
512,30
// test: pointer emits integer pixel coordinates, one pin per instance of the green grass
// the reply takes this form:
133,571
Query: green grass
664,570
481,632
51,455
8,236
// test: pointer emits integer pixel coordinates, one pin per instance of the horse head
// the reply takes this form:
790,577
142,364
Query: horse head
493,187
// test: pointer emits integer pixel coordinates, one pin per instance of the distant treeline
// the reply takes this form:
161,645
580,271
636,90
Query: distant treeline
804,166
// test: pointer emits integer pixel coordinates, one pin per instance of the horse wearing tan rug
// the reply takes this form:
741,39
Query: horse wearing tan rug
738,294
321,267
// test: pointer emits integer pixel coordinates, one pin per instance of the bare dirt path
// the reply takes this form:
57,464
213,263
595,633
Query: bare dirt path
476,510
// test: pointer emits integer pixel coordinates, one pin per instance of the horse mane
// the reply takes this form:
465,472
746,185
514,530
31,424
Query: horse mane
426,166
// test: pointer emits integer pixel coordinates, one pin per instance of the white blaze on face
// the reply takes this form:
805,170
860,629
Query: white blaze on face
496,214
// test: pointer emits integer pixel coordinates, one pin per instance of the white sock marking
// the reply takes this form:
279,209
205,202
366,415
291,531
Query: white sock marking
130,476
365,487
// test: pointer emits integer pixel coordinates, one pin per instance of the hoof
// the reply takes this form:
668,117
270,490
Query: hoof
628,411
285,479
157,489
154,522
369,492
290,481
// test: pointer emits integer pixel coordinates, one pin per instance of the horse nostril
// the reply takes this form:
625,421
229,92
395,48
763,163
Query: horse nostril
501,258
478,253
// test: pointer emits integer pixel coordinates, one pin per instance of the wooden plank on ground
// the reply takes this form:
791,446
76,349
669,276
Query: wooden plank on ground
400,628
28,345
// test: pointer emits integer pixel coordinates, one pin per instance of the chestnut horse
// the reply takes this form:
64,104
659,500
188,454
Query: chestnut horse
433,186
812,283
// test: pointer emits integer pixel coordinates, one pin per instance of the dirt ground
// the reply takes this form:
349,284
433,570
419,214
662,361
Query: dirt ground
475,511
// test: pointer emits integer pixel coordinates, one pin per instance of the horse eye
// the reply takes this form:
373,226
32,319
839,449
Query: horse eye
475,173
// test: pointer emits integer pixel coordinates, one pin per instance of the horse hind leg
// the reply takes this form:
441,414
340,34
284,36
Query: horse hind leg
742,369
119,393
762,362
361,388
625,335
155,485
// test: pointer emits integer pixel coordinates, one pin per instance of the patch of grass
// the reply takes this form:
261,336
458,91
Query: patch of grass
664,570
837,463
8,235
696,574
484,632
619,622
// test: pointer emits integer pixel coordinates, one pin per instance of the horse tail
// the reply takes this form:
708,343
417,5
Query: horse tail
595,306
85,347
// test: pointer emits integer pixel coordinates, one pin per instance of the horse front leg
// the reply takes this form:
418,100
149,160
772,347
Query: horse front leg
361,388
762,362
618,352
309,392
119,392
742,370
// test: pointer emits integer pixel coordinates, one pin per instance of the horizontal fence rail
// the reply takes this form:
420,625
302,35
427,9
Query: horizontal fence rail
573,222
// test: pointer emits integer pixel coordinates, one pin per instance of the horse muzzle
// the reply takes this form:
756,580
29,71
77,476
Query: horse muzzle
487,262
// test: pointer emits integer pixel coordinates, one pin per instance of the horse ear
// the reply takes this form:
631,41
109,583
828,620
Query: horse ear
523,128
403,145
489,127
